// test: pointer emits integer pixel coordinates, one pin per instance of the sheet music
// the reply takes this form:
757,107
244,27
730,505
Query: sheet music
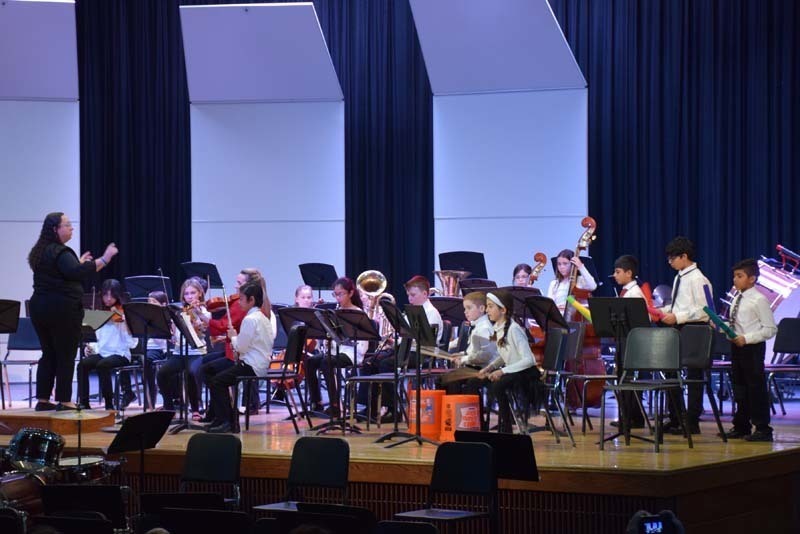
439,353
198,341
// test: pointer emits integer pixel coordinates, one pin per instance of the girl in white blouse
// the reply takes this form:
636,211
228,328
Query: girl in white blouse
514,366
559,288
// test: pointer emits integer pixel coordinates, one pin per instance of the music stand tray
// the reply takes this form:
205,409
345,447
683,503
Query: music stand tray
139,433
206,271
450,308
467,285
9,316
140,286
474,262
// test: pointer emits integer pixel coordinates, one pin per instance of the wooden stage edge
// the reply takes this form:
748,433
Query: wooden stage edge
738,486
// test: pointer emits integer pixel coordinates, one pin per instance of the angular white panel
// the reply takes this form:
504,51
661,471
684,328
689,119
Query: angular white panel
257,53
38,51
275,248
480,46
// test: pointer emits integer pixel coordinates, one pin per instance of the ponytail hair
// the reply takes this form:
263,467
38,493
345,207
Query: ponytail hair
254,275
47,235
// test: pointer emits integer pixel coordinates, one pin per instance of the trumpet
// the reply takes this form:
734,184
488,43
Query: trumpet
372,284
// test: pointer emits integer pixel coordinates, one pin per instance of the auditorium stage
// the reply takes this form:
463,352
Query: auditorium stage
715,487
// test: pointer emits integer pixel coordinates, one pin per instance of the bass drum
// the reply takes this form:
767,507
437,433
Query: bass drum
22,491
34,448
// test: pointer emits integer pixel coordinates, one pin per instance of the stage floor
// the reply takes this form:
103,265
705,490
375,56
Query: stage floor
732,485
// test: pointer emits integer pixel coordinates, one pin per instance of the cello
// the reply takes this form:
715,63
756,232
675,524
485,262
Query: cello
588,362
535,331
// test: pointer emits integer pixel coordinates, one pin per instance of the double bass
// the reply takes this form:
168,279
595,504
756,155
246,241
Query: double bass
589,361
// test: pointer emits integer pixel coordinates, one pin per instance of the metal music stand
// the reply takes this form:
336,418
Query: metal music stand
616,317
139,433
185,341
9,322
468,285
401,329
318,275
139,287
206,271
147,321
474,262
450,308
424,335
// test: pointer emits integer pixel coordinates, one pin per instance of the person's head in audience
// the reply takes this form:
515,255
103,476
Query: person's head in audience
304,297
157,530
417,290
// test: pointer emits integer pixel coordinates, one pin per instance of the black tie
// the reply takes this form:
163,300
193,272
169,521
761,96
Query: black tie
735,310
675,291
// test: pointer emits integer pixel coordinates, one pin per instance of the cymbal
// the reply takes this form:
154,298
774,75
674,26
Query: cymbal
82,415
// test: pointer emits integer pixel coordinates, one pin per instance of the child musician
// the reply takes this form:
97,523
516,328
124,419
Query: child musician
514,366
480,348
558,290
522,275
753,322
688,300
156,350
112,349
193,298
626,268
253,344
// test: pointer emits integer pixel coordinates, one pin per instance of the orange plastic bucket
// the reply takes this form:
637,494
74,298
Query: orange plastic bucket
430,413
460,412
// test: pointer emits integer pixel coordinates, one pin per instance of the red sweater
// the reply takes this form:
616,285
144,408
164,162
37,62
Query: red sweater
219,327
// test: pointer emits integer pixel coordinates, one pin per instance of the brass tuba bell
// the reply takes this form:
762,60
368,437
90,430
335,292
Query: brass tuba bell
449,281
373,285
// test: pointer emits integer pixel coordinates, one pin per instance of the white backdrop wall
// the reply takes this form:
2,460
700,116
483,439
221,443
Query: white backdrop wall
510,175
274,174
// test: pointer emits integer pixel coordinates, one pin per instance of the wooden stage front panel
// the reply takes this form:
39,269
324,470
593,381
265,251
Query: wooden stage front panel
733,487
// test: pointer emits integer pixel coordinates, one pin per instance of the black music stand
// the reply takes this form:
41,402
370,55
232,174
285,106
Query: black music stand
139,287
147,321
318,275
355,326
474,262
543,310
206,271
139,433
616,317
401,329
424,335
9,322
514,458
185,341
521,294
290,316
468,285
92,321
450,308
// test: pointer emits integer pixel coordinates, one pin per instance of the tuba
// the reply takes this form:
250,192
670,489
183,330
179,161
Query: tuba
372,284
449,281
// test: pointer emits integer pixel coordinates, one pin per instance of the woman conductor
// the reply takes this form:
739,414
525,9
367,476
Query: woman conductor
56,309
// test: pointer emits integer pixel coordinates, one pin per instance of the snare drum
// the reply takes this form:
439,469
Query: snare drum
22,491
91,469
33,448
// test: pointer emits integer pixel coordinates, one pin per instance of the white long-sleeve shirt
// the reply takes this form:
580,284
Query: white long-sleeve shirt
687,304
254,341
480,348
114,339
515,355
632,291
754,319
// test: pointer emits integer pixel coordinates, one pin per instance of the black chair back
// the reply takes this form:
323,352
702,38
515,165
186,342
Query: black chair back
554,349
282,338
108,500
364,515
332,523
25,337
721,346
405,527
192,521
787,341
66,524
652,349
463,337
447,334
463,468
319,462
697,342
153,503
9,315
574,343
294,345
212,458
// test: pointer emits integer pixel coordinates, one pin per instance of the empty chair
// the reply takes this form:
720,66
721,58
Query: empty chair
465,469
317,462
697,342
24,339
213,458
786,346
152,504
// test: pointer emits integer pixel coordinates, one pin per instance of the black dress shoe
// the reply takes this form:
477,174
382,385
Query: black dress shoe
388,417
678,431
222,428
44,406
735,433
759,435
64,408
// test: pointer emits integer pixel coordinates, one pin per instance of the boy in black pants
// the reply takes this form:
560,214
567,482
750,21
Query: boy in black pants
752,320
